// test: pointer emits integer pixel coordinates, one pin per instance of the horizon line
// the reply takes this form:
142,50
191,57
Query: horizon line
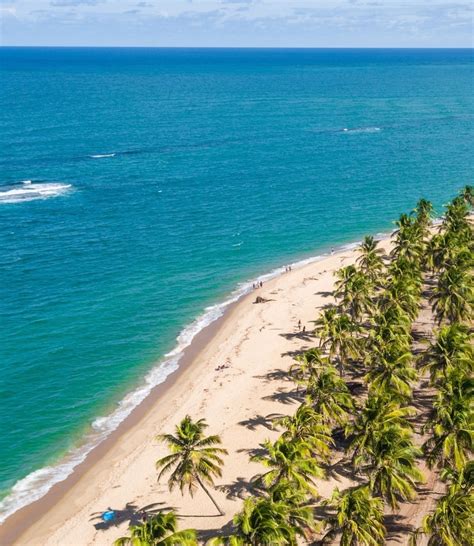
234,47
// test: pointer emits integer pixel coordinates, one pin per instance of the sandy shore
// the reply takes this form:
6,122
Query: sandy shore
255,341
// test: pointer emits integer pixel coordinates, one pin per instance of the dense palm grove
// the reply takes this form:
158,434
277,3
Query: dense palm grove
357,390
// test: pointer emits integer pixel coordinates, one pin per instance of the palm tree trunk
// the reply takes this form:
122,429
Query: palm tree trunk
221,513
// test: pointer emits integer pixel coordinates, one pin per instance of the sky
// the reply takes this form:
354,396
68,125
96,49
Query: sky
237,23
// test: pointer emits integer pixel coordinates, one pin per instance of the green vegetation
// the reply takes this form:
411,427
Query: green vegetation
194,459
357,389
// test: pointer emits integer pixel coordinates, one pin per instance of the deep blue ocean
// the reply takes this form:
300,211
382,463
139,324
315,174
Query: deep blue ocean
139,187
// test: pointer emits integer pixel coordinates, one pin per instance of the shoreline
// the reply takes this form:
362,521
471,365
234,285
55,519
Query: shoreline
18,523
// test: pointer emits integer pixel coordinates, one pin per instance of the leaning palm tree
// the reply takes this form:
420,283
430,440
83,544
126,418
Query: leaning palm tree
194,459
159,530
288,460
451,522
358,518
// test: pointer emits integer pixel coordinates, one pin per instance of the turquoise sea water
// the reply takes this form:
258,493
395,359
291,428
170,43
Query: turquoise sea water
140,186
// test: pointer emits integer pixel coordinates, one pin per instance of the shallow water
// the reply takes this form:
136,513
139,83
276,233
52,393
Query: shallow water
139,187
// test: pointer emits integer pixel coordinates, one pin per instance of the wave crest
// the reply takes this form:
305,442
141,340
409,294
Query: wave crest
32,191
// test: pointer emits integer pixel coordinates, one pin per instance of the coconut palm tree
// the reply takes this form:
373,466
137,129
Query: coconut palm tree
158,530
452,422
391,372
408,239
370,259
390,465
194,459
378,413
451,522
453,297
358,518
341,342
329,395
467,193
288,460
265,522
307,364
307,425
424,212
451,350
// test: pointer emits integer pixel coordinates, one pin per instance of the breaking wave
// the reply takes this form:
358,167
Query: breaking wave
32,191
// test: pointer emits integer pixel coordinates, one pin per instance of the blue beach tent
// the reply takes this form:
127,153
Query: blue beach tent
108,516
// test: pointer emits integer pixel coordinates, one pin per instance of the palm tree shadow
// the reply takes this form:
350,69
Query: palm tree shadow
324,294
295,353
396,528
131,513
205,534
260,420
286,397
275,375
306,336
240,489
343,468
253,451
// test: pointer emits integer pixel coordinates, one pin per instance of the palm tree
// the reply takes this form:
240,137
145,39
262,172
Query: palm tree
329,395
467,193
424,212
391,372
452,421
307,364
159,530
451,522
378,413
453,297
390,465
408,239
358,518
265,522
288,460
451,350
370,259
307,425
341,341
194,459
324,324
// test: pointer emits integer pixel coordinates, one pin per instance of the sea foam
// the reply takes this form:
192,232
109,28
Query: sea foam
36,484
101,156
31,191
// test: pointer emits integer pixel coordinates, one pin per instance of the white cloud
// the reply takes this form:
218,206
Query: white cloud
252,22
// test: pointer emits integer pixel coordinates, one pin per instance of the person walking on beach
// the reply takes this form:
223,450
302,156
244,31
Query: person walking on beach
299,325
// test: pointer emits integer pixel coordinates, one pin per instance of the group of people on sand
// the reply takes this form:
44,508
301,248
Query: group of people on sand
299,327
257,284
288,268
222,367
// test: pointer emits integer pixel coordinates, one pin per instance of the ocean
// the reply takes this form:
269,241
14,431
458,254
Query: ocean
142,189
